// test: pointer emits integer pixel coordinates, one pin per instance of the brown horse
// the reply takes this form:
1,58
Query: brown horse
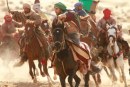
89,31
32,48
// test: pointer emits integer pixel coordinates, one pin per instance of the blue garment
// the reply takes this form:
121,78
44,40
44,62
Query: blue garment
80,12
78,4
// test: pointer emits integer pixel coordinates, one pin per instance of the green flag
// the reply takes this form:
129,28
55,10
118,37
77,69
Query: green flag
86,4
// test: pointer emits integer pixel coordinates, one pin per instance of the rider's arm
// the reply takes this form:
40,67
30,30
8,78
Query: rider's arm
36,19
99,25
4,29
113,22
70,16
18,25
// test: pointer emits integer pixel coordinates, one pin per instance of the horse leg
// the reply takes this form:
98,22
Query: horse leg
121,79
114,78
71,76
123,76
34,69
70,79
86,79
40,67
129,61
120,64
98,78
30,68
105,68
95,80
77,80
55,73
62,80
50,81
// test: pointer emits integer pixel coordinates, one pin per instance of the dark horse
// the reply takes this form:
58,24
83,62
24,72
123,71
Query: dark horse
64,60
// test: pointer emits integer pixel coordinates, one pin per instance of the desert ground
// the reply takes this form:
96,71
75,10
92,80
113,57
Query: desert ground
19,77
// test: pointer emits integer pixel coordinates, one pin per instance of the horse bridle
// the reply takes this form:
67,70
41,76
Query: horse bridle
62,44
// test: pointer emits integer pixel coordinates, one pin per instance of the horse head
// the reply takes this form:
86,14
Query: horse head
45,26
111,34
112,47
58,35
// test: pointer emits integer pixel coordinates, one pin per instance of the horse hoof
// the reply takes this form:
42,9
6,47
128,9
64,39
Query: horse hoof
97,85
121,79
43,74
35,80
37,73
50,85
126,86
114,79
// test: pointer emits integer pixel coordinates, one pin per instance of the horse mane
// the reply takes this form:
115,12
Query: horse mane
55,24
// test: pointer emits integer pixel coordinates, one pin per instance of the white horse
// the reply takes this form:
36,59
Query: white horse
115,55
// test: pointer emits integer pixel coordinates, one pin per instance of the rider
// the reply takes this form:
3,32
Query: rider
9,27
32,17
36,8
45,24
79,9
107,19
67,15
83,15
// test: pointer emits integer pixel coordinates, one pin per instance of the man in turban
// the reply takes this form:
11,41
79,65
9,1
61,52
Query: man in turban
107,19
44,23
32,17
37,9
67,16
9,27
79,9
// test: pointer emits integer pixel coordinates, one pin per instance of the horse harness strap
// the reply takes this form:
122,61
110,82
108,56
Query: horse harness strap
119,53
63,68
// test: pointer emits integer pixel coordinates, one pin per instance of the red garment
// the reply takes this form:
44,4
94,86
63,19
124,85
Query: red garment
107,14
71,16
8,19
43,61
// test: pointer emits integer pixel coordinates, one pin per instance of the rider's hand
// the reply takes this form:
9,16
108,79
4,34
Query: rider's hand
102,31
29,22
62,16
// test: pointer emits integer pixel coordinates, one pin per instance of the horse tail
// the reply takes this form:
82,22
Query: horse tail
21,62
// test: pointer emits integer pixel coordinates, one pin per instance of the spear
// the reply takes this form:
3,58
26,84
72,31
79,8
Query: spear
8,6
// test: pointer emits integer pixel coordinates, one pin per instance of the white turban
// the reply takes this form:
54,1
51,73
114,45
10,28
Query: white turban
25,5
36,7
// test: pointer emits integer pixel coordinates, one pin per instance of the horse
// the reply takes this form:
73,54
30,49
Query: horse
32,48
89,35
115,58
64,60
89,31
